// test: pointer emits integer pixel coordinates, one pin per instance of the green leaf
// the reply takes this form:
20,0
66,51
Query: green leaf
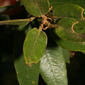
36,7
70,40
66,55
26,75
80,28
53,68
66,32
34,46
72,46
79,2
67,10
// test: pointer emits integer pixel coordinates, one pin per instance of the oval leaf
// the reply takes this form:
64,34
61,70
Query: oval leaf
36,7
66,32
53,68
67,10
27,75
34,46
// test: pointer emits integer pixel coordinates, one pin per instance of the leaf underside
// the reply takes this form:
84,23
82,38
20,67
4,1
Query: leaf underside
53,68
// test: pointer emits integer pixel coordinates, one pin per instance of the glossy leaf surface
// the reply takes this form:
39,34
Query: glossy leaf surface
26,75
34,46
53,68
